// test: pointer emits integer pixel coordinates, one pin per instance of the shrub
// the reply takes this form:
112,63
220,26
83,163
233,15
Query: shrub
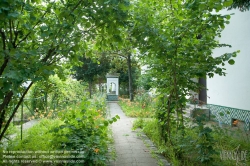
81,128
143,98
85,130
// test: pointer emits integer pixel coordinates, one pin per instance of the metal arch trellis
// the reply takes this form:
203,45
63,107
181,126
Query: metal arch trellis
226,114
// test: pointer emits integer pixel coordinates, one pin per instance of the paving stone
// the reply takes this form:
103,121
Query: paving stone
124,151
130,148
147,164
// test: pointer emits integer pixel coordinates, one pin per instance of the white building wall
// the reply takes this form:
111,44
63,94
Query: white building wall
233,90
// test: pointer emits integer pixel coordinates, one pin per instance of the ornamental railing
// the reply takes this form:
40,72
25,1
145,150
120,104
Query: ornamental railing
226,115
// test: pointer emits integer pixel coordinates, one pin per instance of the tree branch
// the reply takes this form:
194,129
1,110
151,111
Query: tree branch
10,26
76,6
4,65
27,35
3,39
6,101
16,33
14,111
6,59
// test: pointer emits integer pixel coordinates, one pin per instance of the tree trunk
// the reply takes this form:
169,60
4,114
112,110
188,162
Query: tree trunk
203,91
4,106
90,89
100,84
131,97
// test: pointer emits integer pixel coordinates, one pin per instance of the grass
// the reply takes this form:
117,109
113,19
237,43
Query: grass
136,109
226,139
187,146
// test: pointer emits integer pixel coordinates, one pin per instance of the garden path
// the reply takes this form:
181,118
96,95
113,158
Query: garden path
30,124
26,126
129,145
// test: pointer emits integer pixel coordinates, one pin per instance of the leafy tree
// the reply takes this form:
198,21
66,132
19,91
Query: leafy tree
145,81
125,63
131,96
90,69
124,54
55,92
176,40
124,77
37,38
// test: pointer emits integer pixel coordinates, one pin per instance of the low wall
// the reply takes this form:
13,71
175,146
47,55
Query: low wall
112,97
226,114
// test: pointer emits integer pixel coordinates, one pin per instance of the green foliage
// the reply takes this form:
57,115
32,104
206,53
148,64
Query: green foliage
84,130
205,142
99,103
68,90
54,93
42,38
197,144
144,98
37,138
135,109
176,41
121,66
12,129
81,127
41,133
38,94
90,68
151,129
145,81
242,5
138,123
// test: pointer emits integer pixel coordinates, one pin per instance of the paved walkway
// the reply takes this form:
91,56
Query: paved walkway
130,149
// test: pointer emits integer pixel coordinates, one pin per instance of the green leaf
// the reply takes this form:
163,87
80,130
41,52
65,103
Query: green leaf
6,86
106,123
75,48
231,61
227,3
114,119
32,17
88,25
13,15
1,94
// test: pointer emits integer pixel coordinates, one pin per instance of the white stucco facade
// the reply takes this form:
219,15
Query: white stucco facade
233,90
